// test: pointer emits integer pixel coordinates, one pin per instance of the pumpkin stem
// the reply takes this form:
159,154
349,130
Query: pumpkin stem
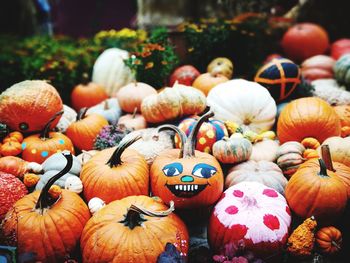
43,200
82,113
45,132
323,168
85,78
134,113
335,244
135,215
326,157
177,131
115,159
190,144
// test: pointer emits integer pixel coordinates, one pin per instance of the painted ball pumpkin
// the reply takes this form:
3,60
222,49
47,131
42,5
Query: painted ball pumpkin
305,40
28,105
307,117
209,132
190,178
251,213
280,76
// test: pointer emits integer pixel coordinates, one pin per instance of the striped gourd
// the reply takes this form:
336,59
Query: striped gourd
233,150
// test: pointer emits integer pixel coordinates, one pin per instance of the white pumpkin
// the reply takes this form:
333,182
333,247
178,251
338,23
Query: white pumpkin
109,109
95,204
69,116
85,156
265,172
74,184
330,91
265,150
110,70
245,103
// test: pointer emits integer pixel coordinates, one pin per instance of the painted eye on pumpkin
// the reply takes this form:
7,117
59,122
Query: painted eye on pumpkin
173,169
204,170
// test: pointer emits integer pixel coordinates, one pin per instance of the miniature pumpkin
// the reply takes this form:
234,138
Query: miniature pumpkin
84,130
185,75
141,219
11,148
108,108
17,166
16,135
310,153
53,165
133,121
310,143
28,105
206,81
314,190
55,192
231,220
264,172
73,184
151,144
110,71
342,69
307,117
12,189
210,132
290,157
343,112
329,240
30,179
245,103
95,204
131,95
264,150
222,66
280,77
69,116
190,178
339,149
87,94
36,221
38,147
172,103
232,151
317,67
115,173
301,241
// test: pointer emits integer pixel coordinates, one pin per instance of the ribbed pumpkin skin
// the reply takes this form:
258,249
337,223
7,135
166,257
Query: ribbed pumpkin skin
233,150
28,105
307,117
13,165
87,95
289,157
52,235
339,148
324,238
343,112
342,69
83,132
104,239
310,194
109,184
38,150
343,173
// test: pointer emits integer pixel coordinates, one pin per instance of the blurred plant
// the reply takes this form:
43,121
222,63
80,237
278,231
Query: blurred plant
153,61
110,136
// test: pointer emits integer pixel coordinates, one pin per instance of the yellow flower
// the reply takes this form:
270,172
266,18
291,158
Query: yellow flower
149,65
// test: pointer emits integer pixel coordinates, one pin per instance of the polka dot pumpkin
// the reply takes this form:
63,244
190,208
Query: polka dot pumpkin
254,213
280,77
208,134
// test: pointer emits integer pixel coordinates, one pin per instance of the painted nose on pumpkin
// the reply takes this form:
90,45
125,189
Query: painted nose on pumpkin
187,179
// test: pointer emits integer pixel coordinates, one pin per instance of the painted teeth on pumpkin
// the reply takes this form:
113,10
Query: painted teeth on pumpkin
191,187
176,187
180,186
196,187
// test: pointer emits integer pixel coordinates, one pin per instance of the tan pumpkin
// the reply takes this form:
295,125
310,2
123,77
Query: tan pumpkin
222,66
172,103
264,150
339,149
133,121
265,172
232,151
205,82
290,157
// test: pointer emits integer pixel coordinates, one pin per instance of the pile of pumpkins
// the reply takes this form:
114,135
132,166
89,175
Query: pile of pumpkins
209,146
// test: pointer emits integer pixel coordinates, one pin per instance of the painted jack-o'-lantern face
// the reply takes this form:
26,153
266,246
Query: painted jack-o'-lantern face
190,178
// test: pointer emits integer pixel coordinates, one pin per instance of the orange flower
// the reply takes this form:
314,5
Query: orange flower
149,65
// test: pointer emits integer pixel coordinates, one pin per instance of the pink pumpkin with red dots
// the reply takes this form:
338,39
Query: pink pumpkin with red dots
210,132
254,214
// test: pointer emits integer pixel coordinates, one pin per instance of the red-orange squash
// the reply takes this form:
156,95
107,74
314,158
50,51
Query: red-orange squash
28,105
307,117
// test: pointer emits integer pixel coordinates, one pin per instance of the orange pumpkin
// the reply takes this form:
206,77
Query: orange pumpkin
307,117
133,229
10,148
48,228
38,147
15,135
115,173
329,239
28,105
87,95
190,178
131,96
314,190
343,112
205,82
13,165
310,143
84,130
